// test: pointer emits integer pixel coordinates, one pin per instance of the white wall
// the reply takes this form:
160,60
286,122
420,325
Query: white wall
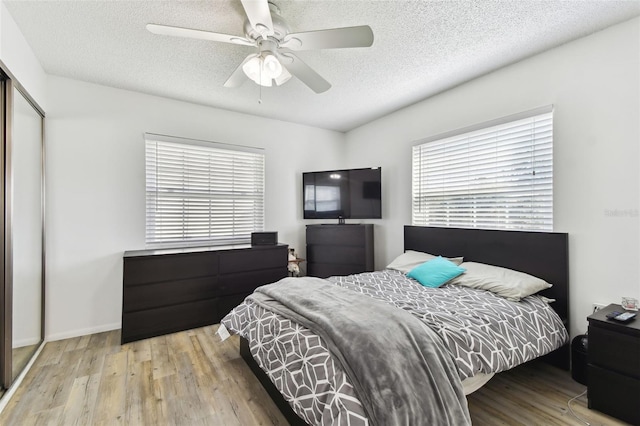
594,85
95,187
17,56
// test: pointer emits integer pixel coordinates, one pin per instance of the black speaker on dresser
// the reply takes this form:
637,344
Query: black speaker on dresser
264,238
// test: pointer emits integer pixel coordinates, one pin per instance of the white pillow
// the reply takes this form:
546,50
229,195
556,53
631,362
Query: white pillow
510,284
410,259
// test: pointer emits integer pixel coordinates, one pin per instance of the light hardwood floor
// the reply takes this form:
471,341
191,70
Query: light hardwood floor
190,378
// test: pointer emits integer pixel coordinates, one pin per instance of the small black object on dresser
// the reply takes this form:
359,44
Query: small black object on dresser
339,249
614,365
264,238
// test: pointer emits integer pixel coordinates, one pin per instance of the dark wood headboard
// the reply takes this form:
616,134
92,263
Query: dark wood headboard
542,254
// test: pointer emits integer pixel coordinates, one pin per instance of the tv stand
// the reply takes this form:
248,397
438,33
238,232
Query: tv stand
341,249
341,221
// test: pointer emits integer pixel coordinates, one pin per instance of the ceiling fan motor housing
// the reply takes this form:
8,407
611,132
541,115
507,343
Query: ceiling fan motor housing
280,26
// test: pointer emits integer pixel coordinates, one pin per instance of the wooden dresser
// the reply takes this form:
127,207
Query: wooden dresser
339,249
614,365
170,290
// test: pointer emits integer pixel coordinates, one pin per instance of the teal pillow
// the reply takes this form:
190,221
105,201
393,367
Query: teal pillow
435,272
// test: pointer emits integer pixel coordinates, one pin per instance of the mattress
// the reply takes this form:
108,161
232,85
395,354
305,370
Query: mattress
484,334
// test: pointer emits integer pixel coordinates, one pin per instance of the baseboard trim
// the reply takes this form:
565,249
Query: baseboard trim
26,342
82,332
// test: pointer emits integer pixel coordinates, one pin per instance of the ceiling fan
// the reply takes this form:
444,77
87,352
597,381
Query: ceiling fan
275,60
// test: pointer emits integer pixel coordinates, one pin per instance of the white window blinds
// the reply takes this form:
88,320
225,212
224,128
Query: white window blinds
499,176
202,193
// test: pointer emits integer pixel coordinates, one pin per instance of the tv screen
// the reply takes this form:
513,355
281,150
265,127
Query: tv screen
343,194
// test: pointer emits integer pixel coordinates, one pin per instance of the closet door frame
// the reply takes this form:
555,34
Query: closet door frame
6,293
6,252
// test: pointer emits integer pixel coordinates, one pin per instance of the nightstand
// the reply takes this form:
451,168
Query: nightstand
614,365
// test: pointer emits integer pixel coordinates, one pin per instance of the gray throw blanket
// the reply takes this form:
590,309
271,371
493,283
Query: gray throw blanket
399,367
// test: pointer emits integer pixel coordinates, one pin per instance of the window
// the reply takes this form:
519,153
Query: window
323,198
202,193
498,175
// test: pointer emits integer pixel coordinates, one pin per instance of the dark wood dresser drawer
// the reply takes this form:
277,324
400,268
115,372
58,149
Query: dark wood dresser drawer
342,255
339,249
324,270
156,295
614,394
345,235
150,269
254,259
246,282
168,319
624,359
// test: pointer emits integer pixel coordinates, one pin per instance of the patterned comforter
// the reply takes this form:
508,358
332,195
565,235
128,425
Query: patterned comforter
483,332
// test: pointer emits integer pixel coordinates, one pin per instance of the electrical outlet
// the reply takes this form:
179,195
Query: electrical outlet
597,307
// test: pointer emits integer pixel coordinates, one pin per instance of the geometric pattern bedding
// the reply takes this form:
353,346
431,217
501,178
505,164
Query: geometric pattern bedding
483,332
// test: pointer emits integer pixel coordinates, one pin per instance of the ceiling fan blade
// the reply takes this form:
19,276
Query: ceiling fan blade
198,34
259,16
335,38
238,76
303,72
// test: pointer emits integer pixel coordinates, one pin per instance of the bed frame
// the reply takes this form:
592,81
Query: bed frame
542,254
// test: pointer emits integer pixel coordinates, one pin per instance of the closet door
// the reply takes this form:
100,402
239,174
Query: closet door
26,204
23,257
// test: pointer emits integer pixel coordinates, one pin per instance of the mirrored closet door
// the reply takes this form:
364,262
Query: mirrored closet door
23,301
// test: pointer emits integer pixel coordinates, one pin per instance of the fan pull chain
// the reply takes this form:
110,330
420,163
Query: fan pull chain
260,85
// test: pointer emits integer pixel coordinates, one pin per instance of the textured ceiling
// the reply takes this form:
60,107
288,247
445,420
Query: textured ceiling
420,48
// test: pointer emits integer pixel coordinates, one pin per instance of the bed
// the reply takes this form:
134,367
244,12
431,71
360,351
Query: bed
543,255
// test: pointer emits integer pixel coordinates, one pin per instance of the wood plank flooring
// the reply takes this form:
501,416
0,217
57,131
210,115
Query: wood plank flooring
190,378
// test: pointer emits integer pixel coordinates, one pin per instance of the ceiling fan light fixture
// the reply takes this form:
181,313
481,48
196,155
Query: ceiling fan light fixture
263,69
271,66
253,69
283,78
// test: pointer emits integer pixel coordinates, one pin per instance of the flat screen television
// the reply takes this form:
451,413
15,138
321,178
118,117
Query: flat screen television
343,194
